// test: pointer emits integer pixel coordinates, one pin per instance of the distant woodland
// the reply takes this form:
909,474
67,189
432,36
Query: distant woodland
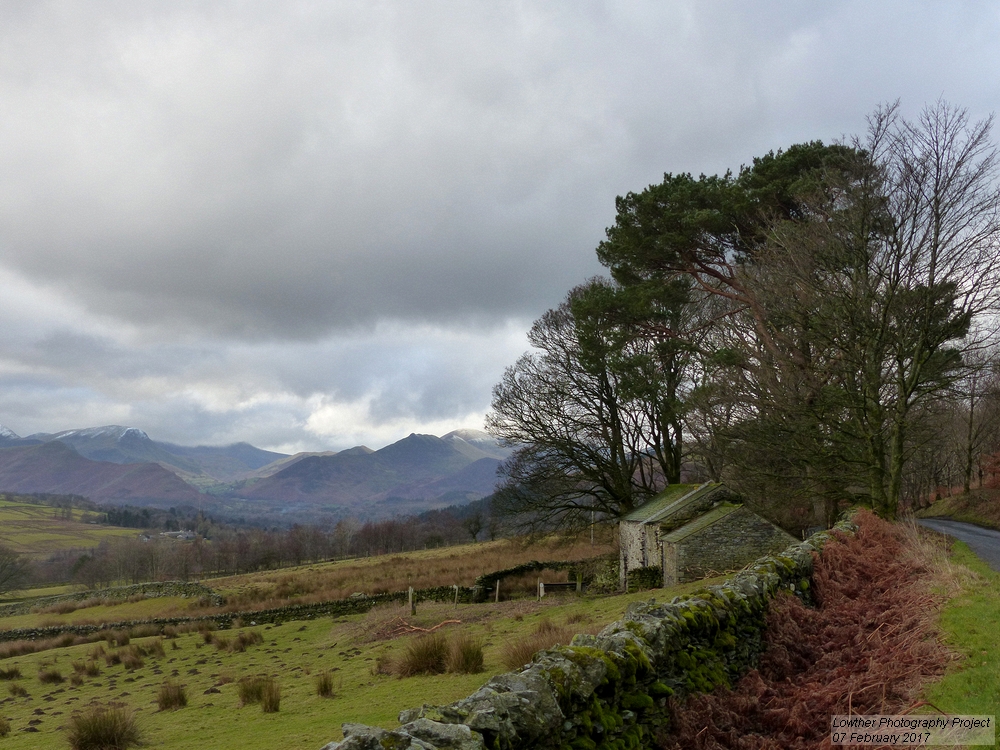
221,547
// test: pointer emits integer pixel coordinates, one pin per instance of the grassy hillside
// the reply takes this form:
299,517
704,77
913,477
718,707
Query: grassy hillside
39,530
980,506
444,566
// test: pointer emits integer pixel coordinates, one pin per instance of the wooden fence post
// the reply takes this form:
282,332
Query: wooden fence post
413,603
498,591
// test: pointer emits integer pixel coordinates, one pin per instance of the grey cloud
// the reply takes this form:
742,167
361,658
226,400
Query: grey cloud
264,220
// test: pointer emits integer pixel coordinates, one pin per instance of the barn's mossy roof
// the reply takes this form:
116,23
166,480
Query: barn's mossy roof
701,522
671,501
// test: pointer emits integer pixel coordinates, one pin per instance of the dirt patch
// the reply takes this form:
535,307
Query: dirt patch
865,649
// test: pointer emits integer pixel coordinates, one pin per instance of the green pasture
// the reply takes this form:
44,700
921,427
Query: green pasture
294,653
39,530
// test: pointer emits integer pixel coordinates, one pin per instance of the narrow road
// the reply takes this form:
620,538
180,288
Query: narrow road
984,542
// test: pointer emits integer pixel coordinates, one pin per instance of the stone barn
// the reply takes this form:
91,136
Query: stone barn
692,531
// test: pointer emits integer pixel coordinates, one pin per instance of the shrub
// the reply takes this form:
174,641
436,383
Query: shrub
171,696
156,648
104,728
17,691
325,687
14,673
465,655
50,676
92,669
650,577
424,655
606,577
112,657
270,699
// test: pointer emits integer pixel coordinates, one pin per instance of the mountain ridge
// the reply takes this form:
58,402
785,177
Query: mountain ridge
420,470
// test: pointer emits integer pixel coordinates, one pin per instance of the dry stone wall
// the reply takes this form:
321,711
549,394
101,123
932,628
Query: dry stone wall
609,691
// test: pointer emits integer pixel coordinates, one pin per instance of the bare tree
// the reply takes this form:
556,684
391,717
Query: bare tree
594,413
474,524
14,569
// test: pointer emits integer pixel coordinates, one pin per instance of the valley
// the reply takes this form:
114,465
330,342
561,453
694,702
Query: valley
123,465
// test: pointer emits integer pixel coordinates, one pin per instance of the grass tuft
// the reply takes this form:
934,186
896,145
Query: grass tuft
14,673
117,638
51,676
270,699
427,654
516,654
251,689
171,696
465,655
132,658
104,728
325,686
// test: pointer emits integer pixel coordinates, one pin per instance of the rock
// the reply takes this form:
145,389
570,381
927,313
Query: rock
412,714
444,736
358,737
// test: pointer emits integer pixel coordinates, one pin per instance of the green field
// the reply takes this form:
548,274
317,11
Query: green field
39,530
293,653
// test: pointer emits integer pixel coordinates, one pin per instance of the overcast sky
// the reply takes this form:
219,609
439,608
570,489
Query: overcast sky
310,225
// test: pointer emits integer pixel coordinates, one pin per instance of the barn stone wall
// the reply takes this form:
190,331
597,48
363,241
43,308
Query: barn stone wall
728,544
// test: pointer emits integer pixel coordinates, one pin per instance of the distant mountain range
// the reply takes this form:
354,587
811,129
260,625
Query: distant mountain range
115,464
